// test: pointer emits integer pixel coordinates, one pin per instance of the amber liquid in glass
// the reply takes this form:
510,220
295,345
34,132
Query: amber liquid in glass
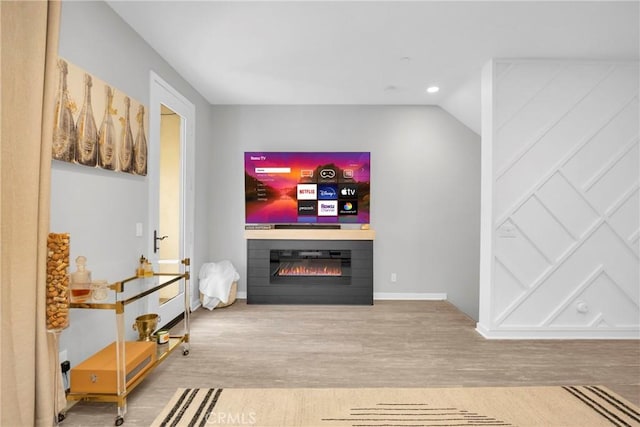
80,294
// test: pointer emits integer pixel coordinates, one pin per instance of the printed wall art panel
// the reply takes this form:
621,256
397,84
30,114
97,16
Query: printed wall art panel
96,125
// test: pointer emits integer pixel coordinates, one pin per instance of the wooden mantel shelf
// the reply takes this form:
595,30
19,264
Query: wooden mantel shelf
308,234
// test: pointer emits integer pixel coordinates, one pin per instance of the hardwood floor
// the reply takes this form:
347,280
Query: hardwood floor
389,344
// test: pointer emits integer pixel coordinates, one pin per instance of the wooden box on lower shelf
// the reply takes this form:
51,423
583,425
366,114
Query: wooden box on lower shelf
97,374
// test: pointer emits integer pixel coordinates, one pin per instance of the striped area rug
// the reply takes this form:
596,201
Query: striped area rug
578,406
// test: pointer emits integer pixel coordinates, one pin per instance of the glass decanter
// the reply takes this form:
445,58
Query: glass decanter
80,281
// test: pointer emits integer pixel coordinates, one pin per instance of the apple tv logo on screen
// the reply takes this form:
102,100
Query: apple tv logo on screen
347,191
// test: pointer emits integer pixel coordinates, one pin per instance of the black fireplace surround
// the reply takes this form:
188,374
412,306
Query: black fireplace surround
309,271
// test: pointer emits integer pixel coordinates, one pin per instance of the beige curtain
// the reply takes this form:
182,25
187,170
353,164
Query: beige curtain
29,43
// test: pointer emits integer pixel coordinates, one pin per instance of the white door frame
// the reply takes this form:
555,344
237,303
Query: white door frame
162,93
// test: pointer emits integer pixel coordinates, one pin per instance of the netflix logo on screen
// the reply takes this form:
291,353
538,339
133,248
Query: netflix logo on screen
307,191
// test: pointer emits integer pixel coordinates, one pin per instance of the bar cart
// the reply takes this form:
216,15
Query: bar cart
125,293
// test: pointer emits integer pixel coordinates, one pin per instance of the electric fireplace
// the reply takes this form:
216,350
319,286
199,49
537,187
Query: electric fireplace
310,266
309,271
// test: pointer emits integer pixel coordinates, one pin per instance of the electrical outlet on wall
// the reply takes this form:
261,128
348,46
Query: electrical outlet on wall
394,277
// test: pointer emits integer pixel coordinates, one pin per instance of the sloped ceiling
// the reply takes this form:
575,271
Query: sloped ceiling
371,53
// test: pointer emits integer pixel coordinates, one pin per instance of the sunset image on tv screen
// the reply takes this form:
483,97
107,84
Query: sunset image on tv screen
307,187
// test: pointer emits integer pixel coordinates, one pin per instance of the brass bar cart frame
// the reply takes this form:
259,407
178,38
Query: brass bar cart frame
142,287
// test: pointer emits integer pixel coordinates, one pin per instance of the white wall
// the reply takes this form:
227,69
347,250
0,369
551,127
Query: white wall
100,208
424,188
560,227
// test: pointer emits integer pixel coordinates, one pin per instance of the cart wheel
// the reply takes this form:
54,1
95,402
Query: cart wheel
119,421
185,352
61,417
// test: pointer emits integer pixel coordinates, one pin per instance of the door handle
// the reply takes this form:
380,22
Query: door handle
156,239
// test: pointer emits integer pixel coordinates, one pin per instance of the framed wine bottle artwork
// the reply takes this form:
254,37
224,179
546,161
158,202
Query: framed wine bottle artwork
96,125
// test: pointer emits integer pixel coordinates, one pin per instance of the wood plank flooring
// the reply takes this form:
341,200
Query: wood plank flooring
389,344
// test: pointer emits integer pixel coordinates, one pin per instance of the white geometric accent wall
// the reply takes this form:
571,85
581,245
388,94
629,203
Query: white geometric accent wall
561,174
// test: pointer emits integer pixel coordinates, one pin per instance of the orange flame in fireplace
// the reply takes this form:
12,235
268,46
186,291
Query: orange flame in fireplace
307,268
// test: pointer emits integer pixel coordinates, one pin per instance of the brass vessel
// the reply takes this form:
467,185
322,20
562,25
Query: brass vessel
145,325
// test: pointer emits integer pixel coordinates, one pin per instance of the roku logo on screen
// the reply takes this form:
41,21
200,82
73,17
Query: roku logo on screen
307,191
328,208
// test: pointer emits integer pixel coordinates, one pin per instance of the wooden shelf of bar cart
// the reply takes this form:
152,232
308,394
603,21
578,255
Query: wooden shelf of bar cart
124,293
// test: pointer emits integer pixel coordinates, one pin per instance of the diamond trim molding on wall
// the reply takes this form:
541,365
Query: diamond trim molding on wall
564,174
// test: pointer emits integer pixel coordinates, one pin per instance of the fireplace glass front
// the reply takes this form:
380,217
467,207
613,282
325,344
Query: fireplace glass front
310,266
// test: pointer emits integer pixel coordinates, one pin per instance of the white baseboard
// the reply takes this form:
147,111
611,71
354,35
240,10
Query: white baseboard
409,296
241,295
559,333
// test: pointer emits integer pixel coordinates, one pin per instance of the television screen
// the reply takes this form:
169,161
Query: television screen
306,187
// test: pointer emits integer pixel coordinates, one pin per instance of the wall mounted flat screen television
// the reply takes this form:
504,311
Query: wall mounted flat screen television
307,187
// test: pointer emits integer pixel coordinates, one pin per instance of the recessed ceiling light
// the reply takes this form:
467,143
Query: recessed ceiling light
433,89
